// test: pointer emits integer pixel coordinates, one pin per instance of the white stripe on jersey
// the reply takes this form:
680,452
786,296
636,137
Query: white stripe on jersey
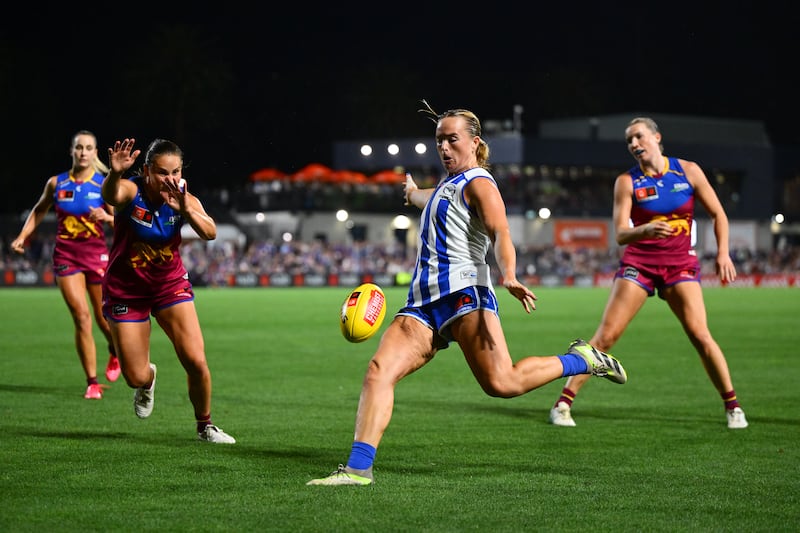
452,243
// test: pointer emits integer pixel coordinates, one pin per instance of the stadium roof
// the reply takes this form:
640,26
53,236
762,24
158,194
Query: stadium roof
679,128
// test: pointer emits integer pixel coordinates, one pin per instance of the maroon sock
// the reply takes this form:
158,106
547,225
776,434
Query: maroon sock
202,422
730,400
567,396
91,381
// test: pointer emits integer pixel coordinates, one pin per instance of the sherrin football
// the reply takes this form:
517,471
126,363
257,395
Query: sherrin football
362,312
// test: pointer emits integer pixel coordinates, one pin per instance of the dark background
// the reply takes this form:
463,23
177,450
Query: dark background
246,87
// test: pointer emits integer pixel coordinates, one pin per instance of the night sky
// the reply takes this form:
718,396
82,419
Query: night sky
241,90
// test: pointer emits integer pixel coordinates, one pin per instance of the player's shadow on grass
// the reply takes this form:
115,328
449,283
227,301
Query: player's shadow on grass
5,387
72,435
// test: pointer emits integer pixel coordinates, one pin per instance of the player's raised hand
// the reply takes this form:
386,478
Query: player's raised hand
122,155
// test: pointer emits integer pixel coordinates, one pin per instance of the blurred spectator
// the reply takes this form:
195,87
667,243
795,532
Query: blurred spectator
213,263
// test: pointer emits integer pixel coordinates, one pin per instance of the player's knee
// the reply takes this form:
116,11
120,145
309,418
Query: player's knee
498,388
377,374
82,320
605,340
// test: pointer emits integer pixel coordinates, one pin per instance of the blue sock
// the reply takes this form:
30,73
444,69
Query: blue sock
573,365
362,455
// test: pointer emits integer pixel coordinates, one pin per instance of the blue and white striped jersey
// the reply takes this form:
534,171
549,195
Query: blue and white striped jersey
453,243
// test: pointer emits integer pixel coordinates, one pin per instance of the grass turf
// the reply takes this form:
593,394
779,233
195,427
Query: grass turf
651,455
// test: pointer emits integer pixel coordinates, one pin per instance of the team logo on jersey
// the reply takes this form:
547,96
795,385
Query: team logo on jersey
92,195
646,194
65,196
185,292
119,309
449,192
680,226
678,187
630,273
147,254
142,216
464,299
75,227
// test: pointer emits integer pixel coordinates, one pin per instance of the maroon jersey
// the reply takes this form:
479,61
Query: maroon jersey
145,257
80,244
668,197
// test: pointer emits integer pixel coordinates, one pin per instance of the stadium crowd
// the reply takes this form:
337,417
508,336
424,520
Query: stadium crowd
213,264
569,191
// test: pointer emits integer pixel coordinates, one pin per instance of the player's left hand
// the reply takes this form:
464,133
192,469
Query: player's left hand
521,293
726,270
173,191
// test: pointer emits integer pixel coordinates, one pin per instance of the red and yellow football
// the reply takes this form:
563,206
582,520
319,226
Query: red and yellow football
362,312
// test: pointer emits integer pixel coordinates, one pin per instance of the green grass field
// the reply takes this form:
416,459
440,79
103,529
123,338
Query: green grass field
652,455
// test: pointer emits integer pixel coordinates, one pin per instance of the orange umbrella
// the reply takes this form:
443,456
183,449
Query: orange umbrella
348,176
358,177
268,174
335,176
388,176
312,172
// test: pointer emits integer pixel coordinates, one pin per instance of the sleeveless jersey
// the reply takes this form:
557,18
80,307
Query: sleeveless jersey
77,236
668,197
145,250
452,245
